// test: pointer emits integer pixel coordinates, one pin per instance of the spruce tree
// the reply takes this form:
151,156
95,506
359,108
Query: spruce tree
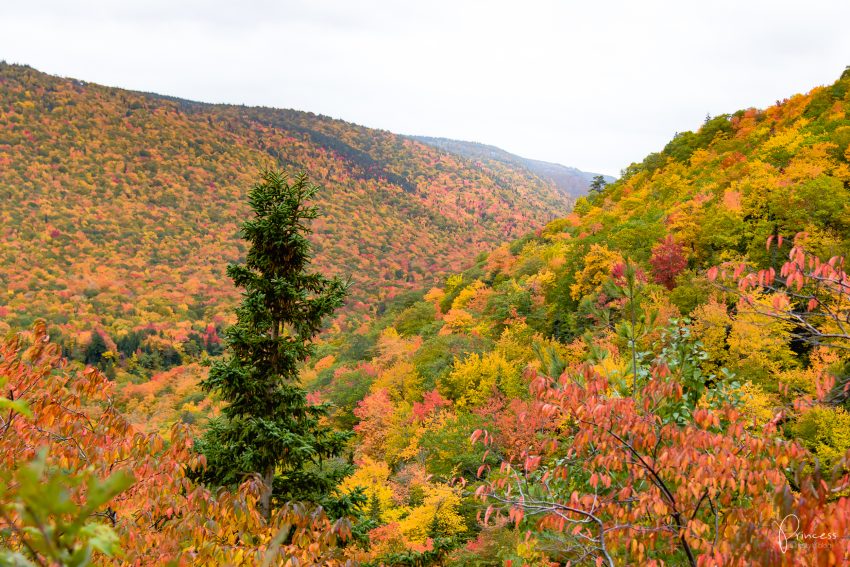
267,425
598,184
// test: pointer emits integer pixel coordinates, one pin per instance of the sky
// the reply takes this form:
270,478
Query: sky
591,84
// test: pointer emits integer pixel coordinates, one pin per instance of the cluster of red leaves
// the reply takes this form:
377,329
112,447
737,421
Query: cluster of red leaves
518,428
668,261
432,402
623,484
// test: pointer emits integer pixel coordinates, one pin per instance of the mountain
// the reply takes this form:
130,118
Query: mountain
600,371
120,209
569,180
661,376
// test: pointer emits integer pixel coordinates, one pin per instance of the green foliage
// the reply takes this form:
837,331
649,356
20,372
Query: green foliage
12,406
598,184
684,144
510,301
345,391
359,347
683,355
42,515
418,319
267,426
582,206
95,349
434,359
690,291
825,431
447,450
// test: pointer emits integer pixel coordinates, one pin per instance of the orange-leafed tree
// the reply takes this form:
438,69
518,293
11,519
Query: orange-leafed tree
627,481
809,292
78,485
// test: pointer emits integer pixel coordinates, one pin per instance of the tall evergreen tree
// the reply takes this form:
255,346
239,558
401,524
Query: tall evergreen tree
598,184
267,426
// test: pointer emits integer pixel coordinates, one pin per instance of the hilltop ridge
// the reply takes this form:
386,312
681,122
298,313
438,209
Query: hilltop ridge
570,180
156,185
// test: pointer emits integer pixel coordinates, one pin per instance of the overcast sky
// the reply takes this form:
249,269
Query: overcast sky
591,84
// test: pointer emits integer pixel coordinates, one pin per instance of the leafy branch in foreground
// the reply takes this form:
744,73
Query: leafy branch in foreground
623,481
810,293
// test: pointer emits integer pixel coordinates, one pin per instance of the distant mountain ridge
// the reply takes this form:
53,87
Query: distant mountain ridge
570,180
120,208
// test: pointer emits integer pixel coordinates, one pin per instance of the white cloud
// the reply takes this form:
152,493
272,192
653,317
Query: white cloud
595,85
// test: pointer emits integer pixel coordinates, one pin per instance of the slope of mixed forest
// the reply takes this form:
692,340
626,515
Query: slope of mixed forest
658,378
613,304
570,180
120,209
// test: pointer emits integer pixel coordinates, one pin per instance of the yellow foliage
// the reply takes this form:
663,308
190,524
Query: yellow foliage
597,268
473,380
466,294
825,431
374,477
806,380
540,283
711,323
439,510
456,321
789,139
528,549
810,162
453,281
402,435
400,380
325,362
575,352
435,295
658,302
684,221
515,342
702,157
393,346
758,405
752,345
612,366
759,345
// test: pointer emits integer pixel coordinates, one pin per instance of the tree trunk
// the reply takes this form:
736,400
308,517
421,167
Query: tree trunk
266,496
268,474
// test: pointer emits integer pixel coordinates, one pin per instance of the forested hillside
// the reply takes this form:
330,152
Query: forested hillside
661,377
614,357
120,209
570,180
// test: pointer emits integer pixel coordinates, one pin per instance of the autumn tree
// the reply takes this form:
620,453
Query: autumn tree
810,293
668,260
268,427
80,486
598,184
626,482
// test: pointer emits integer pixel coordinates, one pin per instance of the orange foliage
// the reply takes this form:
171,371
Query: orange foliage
163,516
